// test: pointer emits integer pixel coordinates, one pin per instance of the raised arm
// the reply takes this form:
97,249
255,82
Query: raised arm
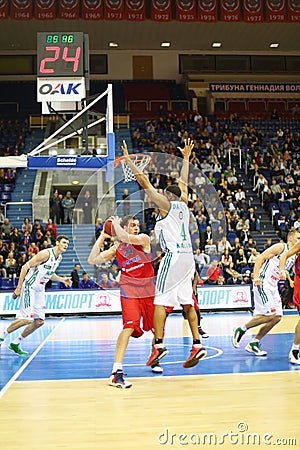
184,174
142,239
98,257
143,180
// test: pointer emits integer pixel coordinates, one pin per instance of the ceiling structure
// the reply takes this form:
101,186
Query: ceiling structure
239,38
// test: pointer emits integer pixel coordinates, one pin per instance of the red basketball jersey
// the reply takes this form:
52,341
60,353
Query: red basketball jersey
137,274
296,297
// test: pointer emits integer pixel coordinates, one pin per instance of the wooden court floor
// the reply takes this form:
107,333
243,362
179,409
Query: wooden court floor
58,398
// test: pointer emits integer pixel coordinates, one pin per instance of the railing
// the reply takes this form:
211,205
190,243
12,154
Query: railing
19,203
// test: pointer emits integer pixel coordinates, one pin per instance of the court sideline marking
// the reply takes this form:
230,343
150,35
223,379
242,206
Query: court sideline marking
28,361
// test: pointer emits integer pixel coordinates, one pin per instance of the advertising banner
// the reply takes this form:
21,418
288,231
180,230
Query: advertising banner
224,297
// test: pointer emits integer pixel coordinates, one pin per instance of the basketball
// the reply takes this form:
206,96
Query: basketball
108,227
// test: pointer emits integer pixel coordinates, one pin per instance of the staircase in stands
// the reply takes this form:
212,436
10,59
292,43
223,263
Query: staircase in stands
266,227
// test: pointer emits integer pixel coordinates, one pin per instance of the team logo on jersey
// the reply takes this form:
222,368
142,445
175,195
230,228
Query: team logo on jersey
231,5
275,5
22,4
68,4
92,4
161,5
294,5
44,4
114,4
207,5
253,6
185,5
136,5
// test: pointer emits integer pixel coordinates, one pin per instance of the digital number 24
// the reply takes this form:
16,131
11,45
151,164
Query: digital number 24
65,57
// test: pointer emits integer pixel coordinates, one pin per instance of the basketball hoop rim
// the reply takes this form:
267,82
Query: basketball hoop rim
135,156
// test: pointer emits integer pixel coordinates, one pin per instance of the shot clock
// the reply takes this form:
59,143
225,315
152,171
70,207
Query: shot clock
60,54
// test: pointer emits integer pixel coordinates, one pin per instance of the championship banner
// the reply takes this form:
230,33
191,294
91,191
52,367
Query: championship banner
69,9
207,11
3,9
186,10
113,9
135,10
161,10
45,10
276,11
21,9
293,7
92,10
230,10
253,11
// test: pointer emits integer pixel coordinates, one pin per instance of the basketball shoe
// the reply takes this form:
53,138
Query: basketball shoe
156,355
15,348
294,357
196,354
254,347
117,380
238,333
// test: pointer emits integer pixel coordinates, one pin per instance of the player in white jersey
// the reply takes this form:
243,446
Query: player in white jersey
31,288
267,301
176,270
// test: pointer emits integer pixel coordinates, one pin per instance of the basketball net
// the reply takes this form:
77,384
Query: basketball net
139,160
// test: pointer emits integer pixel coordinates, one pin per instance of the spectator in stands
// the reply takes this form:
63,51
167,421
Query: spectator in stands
26,225
210,248
241,260
49,238
223,245
25,241
244,234
114,274
39,238
86,282
52,228
254,222
11,265
36,226
68,204
201,259
75,276
226,260
15,237
6,229
104,282
32,250
55,208
87,207
236,278
3,273
252,257
213,272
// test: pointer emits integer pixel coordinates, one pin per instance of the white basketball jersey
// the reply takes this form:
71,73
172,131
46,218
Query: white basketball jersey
38,276
172,231
269,272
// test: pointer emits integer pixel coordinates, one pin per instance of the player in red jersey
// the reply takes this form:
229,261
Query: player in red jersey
133,253
294,353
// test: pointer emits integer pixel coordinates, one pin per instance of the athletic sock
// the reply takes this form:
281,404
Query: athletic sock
3,334
244,328
295,347
158,342
117,366
18,340
196,343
